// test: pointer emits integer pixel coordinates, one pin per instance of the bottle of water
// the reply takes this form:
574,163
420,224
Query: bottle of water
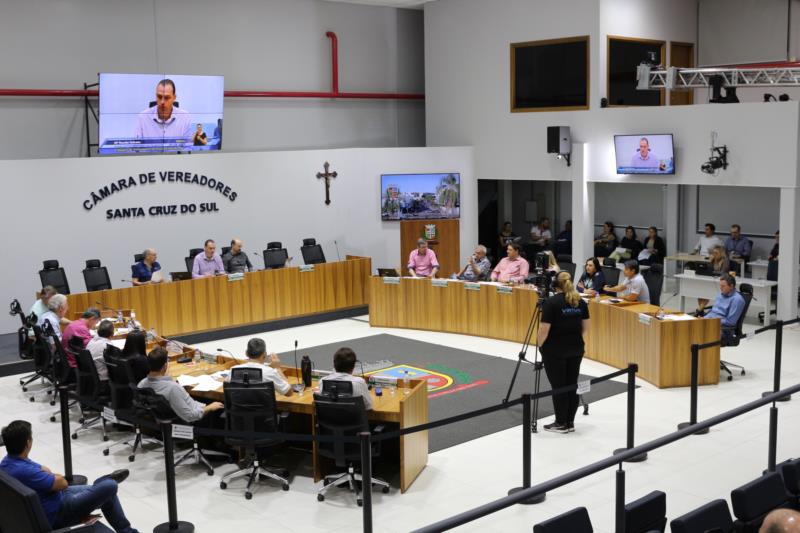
406,389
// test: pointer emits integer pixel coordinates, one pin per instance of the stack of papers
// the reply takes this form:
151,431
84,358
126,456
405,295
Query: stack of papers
202,383
682,316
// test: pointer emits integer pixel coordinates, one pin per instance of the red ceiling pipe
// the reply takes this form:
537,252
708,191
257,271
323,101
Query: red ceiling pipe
334,61
334,93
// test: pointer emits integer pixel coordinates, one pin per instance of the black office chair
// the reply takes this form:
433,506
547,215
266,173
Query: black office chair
574,521
566,258
340,415
43,366
194,251
312,252
732,336
336,387
566,266
225,250
790,472
122,388
274,245
713,516
754,500
607,261
22,510
138,257
611,274
92,395
251,407
655,283
647,514
52,274
96,276
190,259
246,375
275,257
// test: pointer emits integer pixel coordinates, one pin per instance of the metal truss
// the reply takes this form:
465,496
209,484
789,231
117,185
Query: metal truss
675,78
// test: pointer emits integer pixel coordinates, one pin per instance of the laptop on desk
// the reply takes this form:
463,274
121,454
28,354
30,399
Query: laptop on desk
180,276
388,273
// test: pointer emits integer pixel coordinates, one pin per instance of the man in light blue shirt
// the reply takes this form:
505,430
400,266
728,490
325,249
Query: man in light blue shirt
164,120
208,263
644,158
729,305
737,245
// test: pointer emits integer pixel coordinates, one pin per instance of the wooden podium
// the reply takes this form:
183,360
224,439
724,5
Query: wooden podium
446,243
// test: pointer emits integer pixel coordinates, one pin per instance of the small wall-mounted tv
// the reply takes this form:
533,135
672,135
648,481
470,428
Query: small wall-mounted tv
644,154
420,196
157,113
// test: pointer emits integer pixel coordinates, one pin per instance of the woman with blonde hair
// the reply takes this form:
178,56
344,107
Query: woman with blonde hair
720,264
563,326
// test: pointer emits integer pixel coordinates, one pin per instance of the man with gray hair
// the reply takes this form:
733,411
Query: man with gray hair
422,262
478,266
142,272
82,329
56,311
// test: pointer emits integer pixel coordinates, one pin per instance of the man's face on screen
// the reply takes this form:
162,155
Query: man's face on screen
644,148
165,97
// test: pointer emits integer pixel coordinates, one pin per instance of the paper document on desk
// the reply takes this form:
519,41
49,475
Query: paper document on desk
185,380
207,383
676,318
119,343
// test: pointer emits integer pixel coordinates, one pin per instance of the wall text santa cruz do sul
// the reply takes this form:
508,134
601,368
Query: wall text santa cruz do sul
157,210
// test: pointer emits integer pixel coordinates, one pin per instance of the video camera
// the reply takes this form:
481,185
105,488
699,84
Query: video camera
542,278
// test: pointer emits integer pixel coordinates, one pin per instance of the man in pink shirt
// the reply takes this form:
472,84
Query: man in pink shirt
80,328
422,262
512,268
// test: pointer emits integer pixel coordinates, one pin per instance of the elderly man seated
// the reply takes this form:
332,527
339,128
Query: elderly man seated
478,266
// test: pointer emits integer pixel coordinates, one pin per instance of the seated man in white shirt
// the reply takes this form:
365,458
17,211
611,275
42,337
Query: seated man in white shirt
97,347
344,362
269,364
707,241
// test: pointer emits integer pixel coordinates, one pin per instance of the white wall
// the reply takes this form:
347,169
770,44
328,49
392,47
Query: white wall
275,45
279,198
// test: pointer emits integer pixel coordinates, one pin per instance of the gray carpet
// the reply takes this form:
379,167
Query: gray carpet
478,381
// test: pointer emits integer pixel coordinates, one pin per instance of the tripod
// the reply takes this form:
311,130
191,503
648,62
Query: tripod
533,325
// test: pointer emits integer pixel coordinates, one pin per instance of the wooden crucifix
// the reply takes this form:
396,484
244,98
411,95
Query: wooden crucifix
327,177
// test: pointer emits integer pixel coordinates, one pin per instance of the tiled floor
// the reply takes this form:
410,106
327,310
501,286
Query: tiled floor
691,472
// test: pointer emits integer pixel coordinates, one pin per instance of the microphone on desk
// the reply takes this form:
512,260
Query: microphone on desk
369,385
337,250
297,387
660,312
229,353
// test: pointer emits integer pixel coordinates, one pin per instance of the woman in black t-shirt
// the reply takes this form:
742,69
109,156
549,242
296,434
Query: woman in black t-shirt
564,322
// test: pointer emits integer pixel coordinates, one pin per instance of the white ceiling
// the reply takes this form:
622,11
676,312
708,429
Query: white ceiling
413,4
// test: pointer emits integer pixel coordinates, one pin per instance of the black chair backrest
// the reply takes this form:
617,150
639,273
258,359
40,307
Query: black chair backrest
748,297
754,500
138,257
568,267
87,378
336,387
772,271
275,258
790,472
152,405
96,276
655,282
61,368
713,516
312,252
189,263
565,258
648,513
246,375
274,245
607,261
340,417
225,250
574,521
54,275
611,274
194,251
250,407
119,383
22,510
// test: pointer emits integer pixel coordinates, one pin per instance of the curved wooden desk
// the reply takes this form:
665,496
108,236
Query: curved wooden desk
192,306
620,333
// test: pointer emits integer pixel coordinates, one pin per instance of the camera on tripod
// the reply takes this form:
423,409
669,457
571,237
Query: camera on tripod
542,278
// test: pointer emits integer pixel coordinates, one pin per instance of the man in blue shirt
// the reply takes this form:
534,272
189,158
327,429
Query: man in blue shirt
63,505
737,245
142,272
729,305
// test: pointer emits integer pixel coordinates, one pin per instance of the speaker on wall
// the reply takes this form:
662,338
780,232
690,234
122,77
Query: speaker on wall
558,140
